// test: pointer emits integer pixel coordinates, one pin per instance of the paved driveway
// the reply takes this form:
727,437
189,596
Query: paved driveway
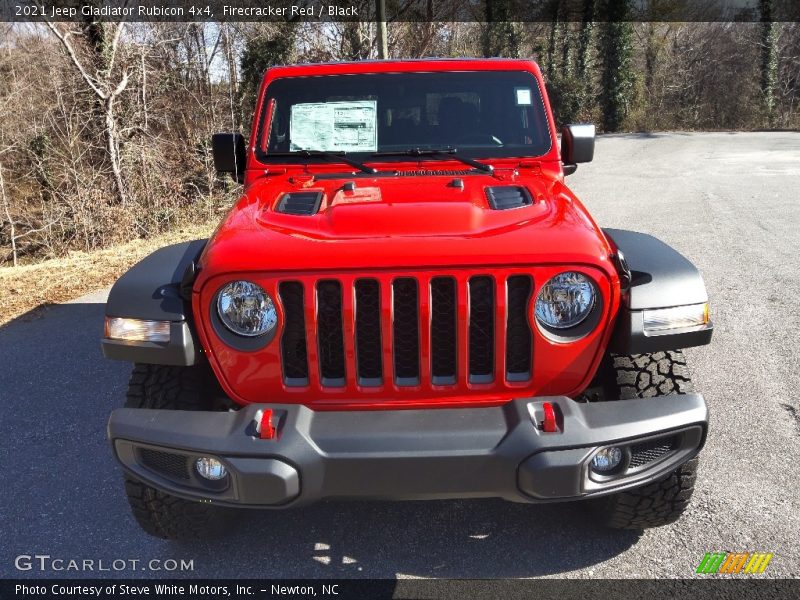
730,202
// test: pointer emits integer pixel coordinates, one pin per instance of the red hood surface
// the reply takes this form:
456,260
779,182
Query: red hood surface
403,222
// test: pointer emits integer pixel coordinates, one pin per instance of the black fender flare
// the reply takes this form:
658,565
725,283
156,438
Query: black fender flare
658,277
155,289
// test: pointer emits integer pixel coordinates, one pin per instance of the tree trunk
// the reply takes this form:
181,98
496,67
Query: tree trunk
585,39
616,48
769,61
10,219
112,144
383,48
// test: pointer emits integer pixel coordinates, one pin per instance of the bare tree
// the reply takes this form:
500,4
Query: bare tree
9,218
107,89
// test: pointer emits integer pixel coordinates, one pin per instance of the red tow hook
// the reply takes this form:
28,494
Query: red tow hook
549,424
264,426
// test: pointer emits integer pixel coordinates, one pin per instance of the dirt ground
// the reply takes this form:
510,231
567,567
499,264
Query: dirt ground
28,287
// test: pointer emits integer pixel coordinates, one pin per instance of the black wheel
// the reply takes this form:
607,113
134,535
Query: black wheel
160,514
663,501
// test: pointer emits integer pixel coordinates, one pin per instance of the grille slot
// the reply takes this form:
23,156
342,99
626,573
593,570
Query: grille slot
647,452
508,196
519,338
300,203
293,342
168,464
444,319
368,332
330,337
405,331
481,329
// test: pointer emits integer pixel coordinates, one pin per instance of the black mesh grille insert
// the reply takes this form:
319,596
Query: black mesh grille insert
330,337
647,452
443,330
174,466
481,329
405,330
518,330
300,203
368,332
508,196
293,342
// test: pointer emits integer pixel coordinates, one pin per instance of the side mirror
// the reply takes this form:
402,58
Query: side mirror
230,154
577,146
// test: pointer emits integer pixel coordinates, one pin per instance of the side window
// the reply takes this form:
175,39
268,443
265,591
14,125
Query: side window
279,136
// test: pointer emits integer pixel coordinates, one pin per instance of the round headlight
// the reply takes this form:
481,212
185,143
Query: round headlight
565,300
246,309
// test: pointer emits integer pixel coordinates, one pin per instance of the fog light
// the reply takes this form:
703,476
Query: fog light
607,459
211,468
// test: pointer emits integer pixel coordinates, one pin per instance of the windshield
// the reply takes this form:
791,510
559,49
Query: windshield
482,114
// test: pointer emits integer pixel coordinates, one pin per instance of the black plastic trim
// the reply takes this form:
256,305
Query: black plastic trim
660,277
407,454
577,144
229,151
150,290
312,199
499,195
154,289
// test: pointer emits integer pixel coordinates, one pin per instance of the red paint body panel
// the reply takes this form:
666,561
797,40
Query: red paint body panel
399,227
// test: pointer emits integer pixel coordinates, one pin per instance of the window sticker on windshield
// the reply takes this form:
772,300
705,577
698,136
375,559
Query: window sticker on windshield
349,126
523,96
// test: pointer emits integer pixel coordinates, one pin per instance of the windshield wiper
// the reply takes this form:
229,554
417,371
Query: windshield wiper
331,156
441,153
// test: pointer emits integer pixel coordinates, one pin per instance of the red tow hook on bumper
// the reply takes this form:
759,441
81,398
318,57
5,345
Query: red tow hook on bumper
264,425
549,424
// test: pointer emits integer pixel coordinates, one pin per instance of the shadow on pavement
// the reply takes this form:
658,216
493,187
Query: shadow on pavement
67,500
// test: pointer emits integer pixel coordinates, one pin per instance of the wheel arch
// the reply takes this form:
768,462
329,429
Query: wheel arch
157,288
658,276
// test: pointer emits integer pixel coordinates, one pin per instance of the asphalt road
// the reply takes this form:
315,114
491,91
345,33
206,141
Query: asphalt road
728,201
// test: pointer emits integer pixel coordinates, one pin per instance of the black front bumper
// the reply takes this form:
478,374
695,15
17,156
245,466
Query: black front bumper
409,454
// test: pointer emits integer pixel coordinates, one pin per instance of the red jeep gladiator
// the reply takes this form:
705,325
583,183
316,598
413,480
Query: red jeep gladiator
407,302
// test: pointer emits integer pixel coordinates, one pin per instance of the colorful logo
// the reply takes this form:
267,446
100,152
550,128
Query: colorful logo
732,562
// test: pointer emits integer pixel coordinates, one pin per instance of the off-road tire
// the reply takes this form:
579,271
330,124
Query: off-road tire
660,374
160,514
650,375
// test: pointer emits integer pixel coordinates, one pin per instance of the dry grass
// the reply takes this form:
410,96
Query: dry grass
28,287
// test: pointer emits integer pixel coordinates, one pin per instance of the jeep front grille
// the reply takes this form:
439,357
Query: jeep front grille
417,331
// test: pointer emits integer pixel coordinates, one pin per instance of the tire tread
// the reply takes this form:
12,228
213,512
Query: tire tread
160,514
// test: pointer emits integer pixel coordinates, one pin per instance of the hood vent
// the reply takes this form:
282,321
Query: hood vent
300,203
508,196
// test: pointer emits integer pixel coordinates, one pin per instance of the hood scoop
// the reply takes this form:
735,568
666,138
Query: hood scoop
504,197
300,203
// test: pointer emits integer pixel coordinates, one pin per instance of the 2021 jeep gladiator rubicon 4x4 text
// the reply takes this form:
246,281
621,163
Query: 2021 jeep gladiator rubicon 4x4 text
407,302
